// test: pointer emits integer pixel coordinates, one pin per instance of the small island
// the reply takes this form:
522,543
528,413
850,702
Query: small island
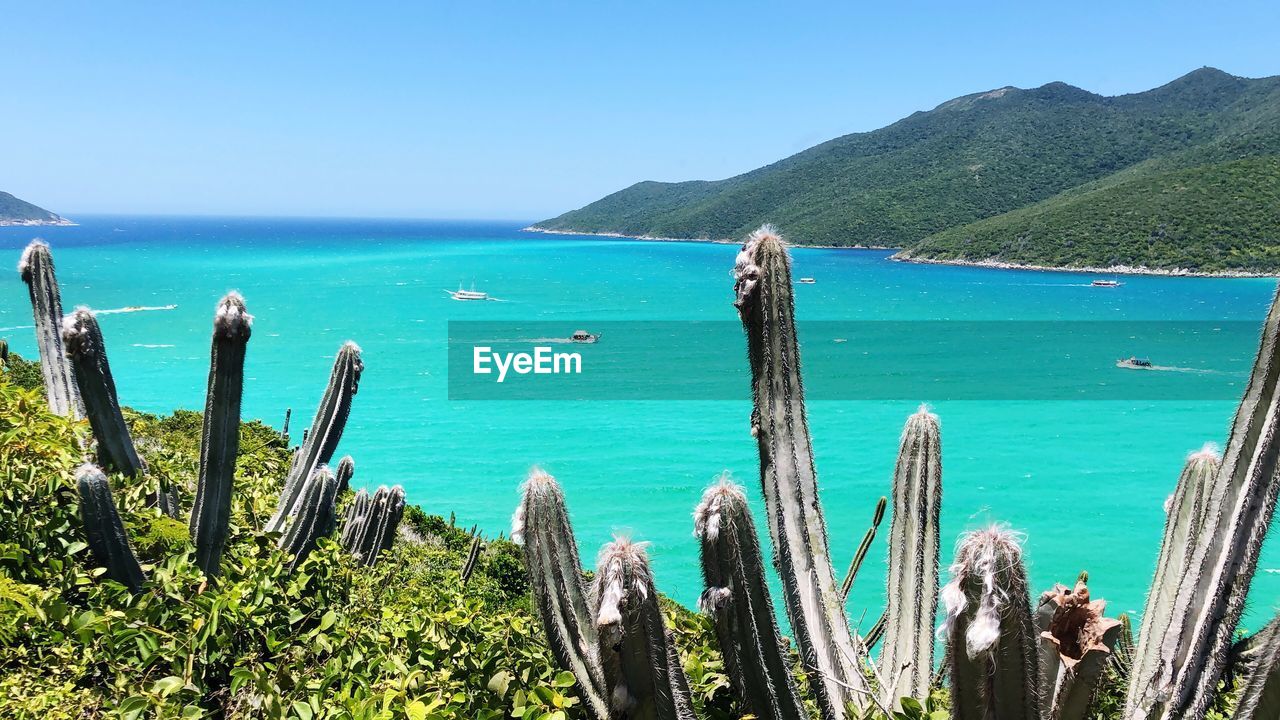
14,211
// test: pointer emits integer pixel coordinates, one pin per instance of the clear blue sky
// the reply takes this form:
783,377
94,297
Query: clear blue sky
522,110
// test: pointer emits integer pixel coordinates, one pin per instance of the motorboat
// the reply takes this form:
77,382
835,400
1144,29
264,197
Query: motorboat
1105,283
582,336
471,294
1134,363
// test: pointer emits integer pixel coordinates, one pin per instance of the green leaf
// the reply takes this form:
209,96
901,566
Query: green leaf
167,685
327,620
303,709
564,679
416,710
500,682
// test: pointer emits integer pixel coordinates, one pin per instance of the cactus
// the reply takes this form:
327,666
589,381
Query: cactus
473,554
876,632
353,521
1122,653
863,548
319,444
314,517
1186,510
104,531
284,431
737,598
640,664
377,531
4,352
991,643
220,440
907,656
88,353
1260,697
541,524
1205,608
830,652
1076,643
346,469
36,268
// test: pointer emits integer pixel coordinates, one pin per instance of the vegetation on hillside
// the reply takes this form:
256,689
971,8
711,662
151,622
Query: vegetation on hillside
978,157
13,210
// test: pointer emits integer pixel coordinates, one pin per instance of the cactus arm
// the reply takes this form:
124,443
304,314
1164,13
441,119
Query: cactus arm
88,353
1260,698
863,548
737,599
326,429
541,524
640,663
876,632
468,567
220,440
36,269
314,516
1187,511
345,471
829,651
104,531
1210,599
907,654
356,517
989,631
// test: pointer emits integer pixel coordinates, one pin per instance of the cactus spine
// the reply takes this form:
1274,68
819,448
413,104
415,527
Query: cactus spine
1260,698
1207,605
1187,510
346,469
863,548
830,652
1075,647
991,644
88,353
220,440
326,430
104,531
737,598
640,663
541,524
473,555
907,654
314,518
36,269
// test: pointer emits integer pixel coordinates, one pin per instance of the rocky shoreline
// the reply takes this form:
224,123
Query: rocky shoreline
988,264
60,222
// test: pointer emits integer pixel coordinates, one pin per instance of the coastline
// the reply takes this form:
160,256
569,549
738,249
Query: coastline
60,222
985,264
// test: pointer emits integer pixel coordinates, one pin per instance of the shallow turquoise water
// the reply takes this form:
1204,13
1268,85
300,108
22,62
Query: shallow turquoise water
1084,480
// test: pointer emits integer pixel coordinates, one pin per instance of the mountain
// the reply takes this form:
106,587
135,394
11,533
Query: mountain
20,212
1009,175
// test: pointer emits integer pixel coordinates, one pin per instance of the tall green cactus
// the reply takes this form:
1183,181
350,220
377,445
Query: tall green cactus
641,666
220,440
1187,511
541,524
36,269
354,519
473,556
83,340
1076,643
345,471
991,641
830,652
104,531
737,598
377,531
314,518
326,430
1260,697
906,659
1210,598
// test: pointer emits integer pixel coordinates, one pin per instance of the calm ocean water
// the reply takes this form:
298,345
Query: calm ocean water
1084,480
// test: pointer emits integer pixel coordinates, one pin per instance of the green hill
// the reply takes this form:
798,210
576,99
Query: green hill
20,212
981,156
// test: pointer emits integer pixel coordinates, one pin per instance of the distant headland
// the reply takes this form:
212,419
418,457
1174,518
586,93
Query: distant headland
20,212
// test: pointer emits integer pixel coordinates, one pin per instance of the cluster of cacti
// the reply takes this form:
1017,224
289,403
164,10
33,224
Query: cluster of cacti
371,522
1003,662
320,443
36,269
78,381
220,440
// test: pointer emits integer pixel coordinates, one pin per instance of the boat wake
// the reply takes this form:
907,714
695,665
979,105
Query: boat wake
1174,368
150,345
134,309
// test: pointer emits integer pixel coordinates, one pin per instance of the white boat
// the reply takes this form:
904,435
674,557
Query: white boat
1105,283
582,336
471,294
807,281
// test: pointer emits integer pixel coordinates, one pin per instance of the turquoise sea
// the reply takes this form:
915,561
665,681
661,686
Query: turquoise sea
1083,479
